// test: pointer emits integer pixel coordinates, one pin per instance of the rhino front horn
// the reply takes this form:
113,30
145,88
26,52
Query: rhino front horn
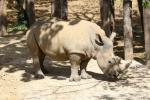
124,65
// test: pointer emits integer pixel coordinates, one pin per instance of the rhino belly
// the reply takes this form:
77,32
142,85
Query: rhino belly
56,53
58,57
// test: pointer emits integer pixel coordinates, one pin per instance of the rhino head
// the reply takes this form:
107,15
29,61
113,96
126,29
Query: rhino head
111,65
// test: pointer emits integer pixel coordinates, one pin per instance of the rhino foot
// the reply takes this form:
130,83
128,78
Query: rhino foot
85,75
74,78
45,71
39,75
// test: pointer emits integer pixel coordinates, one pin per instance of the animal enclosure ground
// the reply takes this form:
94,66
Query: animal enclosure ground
15,62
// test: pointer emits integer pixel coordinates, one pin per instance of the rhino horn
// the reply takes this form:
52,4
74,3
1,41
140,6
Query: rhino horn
125,64
116,60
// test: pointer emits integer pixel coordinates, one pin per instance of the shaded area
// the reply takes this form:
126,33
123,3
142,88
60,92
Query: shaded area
106,97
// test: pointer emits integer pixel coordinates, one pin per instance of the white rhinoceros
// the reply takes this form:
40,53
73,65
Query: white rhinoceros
77,41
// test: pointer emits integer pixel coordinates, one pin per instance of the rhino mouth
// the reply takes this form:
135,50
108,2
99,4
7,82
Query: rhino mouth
113,75
116,76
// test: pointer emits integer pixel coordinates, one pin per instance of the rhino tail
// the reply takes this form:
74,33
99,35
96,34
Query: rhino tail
32,42
36,43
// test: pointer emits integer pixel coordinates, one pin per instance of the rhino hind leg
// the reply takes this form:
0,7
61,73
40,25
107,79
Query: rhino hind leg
84,74
38,58
41,59
75,60
37,68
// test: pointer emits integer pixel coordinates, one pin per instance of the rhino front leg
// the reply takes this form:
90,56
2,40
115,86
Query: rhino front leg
84,74
75,60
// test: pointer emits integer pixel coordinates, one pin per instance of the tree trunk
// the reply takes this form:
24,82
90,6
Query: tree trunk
141,12
3,13
112,8
22,15
30,12
128,36
146,16
10,4
59,9
107,16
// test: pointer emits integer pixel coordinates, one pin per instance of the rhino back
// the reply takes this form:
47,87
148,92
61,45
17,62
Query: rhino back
60,39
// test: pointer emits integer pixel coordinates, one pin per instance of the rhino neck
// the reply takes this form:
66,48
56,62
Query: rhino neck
93,55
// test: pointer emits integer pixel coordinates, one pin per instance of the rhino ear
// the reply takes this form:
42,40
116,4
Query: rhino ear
113,35
98,40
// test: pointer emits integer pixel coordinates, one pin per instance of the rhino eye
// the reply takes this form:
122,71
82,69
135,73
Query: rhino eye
109,62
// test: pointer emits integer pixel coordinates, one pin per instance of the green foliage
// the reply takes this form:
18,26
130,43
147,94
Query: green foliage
146,3
17,27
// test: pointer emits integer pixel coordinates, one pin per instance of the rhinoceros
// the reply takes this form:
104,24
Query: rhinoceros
77,41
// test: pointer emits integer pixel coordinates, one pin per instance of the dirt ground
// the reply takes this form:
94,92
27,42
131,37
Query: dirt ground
16,83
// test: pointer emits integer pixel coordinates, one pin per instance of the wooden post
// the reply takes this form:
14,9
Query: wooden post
107,16
141,12
30,12
146,16
3,20
59,9
22,14
128,36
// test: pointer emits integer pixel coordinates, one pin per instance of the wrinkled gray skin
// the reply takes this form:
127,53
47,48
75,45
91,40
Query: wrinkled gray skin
77,41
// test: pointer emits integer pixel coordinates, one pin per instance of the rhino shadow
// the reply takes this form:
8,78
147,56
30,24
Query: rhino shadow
61,71
102,77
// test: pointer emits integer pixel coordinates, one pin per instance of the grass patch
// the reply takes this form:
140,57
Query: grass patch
17,27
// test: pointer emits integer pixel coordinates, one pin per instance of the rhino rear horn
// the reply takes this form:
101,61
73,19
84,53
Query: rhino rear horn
117,60
98,40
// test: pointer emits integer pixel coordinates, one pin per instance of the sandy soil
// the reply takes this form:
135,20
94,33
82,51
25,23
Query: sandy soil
16,83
